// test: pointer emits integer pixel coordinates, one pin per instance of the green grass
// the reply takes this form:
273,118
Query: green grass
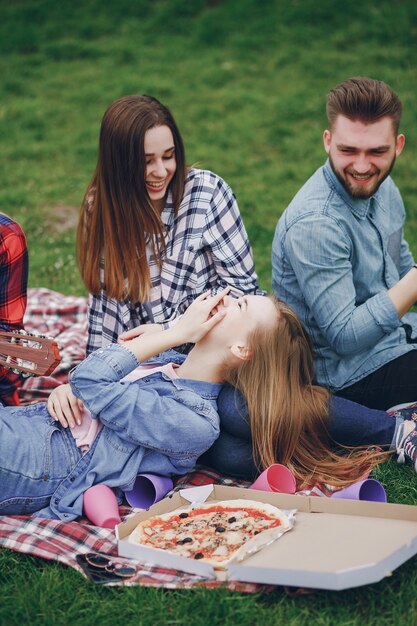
246,81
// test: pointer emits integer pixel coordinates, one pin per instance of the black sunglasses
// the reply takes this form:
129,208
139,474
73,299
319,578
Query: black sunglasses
101,569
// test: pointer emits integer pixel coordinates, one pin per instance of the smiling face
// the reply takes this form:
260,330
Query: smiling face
362,155
242,317
160,163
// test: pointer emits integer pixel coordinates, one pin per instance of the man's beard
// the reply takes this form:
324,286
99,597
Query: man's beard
357,192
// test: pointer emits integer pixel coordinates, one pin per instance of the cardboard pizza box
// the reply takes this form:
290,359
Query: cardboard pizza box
335,544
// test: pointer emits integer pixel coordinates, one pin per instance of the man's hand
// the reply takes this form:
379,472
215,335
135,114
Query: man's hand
64,407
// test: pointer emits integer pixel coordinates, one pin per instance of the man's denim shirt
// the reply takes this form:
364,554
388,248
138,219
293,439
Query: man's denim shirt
334,258
155,424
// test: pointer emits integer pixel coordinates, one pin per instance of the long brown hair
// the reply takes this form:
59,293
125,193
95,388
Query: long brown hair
117,217
288,412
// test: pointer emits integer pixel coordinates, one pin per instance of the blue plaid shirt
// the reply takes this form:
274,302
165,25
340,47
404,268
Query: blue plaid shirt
206,248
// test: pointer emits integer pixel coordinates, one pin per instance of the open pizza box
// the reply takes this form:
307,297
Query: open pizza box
334,544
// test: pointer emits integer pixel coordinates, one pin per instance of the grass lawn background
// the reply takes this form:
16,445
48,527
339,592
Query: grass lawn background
246,81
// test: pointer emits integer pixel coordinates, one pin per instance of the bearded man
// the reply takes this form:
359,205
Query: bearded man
340,259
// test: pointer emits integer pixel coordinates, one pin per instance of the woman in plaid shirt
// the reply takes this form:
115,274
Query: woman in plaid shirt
154,234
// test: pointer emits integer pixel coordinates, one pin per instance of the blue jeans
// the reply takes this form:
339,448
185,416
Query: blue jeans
33,462
349,424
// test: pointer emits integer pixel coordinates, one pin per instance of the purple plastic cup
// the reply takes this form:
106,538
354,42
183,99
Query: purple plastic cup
101,507
277,478
368,489
148,489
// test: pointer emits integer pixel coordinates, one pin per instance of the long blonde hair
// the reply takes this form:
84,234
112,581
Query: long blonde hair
288,412
117,217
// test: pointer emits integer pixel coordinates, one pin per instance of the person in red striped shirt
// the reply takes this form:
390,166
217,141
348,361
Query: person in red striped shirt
14,268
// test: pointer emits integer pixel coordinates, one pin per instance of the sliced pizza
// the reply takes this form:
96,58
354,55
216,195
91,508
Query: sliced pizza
215,532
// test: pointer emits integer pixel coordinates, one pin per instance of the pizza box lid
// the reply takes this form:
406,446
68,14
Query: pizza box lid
335,544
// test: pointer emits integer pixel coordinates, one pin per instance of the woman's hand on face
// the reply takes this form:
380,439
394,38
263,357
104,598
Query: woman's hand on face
143,329
64,407
200,317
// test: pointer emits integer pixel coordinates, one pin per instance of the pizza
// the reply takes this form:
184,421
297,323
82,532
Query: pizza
215,532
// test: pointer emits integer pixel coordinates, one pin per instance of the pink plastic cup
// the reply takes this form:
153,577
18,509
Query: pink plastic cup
148,489
277,478
100,506
368,489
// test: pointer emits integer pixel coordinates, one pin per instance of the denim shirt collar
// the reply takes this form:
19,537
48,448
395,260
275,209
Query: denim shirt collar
169,356
358,206
210,391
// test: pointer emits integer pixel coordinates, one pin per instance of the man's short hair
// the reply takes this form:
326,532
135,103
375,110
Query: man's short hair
364,99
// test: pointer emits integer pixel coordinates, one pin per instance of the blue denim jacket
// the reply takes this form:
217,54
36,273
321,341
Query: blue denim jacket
155,424
334,258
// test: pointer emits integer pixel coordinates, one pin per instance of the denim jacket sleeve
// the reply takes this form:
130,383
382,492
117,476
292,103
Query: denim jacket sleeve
169,420
405,258
324,271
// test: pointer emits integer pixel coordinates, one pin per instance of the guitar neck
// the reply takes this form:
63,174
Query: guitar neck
28,354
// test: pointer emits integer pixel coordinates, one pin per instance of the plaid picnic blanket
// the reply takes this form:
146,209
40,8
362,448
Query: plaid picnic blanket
64,318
